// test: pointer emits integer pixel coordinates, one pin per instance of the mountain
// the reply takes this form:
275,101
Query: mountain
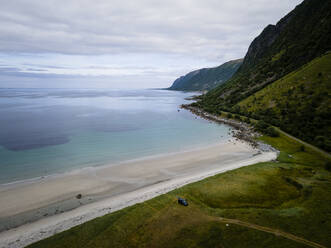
298,103
206,78
297,39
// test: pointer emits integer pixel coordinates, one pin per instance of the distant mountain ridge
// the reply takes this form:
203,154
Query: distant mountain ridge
206,78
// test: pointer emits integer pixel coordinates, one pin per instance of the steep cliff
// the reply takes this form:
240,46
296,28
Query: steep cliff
299,37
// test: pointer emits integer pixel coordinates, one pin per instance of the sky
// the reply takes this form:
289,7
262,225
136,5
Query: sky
124,44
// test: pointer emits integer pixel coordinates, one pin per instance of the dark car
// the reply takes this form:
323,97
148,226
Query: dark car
182,201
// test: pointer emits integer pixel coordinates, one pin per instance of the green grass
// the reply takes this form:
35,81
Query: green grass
292,194
278,55
298,103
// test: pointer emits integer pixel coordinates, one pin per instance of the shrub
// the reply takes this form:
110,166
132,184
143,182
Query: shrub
328,165
319,141
302,148
229,115
235,109
275,122
261,126
327,145
237,117
272,132
247,120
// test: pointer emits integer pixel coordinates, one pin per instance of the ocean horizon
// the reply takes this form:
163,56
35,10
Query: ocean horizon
51,131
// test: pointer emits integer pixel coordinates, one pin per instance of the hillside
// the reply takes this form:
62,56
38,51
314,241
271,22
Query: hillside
300,99
206,78
298,38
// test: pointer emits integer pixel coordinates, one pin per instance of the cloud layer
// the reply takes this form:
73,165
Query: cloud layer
211,31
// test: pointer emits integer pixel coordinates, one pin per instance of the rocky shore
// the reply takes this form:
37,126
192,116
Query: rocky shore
241,130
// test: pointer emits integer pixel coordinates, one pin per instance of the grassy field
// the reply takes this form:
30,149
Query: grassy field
292,194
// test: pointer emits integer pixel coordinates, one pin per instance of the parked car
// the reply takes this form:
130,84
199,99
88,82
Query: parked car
182,201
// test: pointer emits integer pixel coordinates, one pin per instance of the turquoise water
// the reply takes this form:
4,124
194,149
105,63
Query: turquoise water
43,132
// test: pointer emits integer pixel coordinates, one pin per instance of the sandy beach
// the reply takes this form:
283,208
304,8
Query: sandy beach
36,209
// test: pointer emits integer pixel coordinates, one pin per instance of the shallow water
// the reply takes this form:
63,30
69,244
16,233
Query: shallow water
47,131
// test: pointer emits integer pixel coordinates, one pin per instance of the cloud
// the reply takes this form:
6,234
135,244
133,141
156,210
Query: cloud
144,26
211,31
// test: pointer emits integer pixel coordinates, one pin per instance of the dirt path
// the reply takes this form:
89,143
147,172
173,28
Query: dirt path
272,231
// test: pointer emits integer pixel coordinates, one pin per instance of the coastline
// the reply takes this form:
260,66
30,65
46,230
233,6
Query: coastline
63,202
242,130
111,188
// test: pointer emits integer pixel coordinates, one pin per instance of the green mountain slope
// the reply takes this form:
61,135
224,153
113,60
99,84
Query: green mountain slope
206,78
299,103
299,37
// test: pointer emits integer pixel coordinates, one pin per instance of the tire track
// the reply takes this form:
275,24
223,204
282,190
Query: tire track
272,231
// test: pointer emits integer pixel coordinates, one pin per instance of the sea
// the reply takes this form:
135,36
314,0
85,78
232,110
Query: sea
53,131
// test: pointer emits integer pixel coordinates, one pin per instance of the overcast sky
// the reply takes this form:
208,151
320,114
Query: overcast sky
124,44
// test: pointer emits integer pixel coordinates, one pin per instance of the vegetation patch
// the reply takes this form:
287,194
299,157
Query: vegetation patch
293,182
301,103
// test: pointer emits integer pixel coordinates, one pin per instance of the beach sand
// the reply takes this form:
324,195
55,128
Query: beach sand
36,209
